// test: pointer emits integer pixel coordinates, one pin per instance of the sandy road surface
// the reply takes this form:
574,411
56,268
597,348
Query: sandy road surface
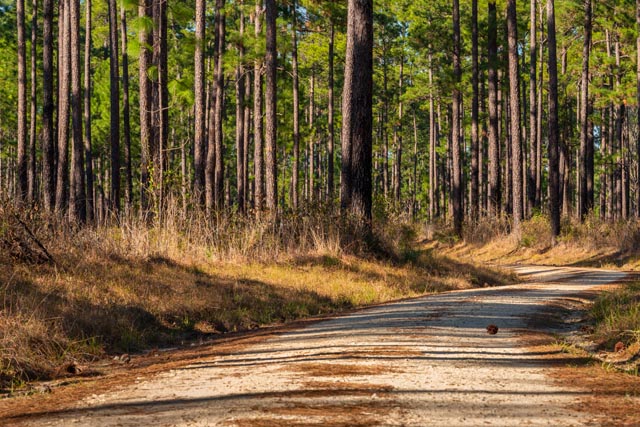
427,361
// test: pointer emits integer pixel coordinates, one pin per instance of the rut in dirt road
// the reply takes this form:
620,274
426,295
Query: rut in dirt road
428,361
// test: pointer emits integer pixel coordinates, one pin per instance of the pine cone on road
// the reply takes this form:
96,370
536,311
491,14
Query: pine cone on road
492,329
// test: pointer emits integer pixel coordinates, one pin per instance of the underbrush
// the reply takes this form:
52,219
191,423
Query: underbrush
617,315
594,242
73,293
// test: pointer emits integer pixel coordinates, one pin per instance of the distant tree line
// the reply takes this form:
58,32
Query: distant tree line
432,108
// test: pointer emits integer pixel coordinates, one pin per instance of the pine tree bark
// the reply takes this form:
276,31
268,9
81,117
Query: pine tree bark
456,166
32,166
414,192
114,200
638,110
475,141
494,190
296,108
271,56
433,161
248,196
586,143
514,102
258,156
330,125
357,120
78,206
618,142
538,202
144,38
88,155
64,76
533,109
554,134
199,148
219,48
23,180
385,117
126,114
240,82
397,166
311,156
159,102
48,148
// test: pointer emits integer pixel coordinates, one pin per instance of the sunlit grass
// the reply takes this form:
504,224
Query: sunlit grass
593,243
129,287
617,314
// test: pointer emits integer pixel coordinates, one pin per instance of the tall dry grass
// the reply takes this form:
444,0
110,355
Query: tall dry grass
73,292
592,242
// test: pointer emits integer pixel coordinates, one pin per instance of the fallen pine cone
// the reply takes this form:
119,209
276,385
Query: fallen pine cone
619,347
71,368
492,329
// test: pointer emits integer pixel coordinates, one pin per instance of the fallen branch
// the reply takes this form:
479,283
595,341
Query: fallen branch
35,239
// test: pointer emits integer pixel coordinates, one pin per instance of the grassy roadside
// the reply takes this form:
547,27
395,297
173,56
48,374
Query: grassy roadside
615,314
593,243
109,290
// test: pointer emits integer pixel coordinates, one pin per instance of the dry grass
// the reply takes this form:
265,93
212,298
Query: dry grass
593,243
616,314
124,288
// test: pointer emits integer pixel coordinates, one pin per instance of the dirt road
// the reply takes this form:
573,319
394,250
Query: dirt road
422,362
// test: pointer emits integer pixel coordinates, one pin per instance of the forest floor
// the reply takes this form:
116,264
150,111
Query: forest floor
423,361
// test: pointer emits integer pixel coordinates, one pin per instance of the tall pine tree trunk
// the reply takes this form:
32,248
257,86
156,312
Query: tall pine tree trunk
357,120
331,140
258,156
385,117
514,102
23,180
456,179
494,190
638,110
32,166
397,176
538,201
296,109
533,110
312,139
586,143
219,47
248,196
414,192
271,56
475,140
48,148
199,148
144,38
159,103
64,76
240,130
554,132
433,161
78,211
115,108
88,155
618,141
126,128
